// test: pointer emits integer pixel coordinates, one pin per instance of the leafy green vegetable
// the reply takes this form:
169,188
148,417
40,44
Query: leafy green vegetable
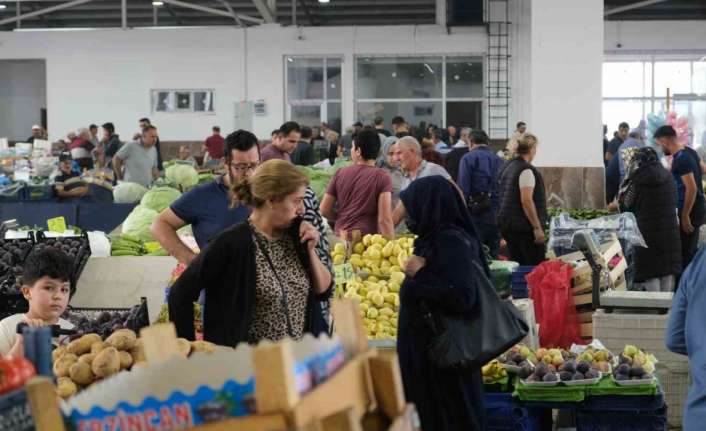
159,198
128,193
182,176
138,222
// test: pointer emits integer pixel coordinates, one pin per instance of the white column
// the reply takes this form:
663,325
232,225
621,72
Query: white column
565,81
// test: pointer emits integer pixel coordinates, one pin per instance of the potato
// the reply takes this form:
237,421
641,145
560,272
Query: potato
61,367
106,363
81,373
122,339
87,358
184,347
125,360
65,388
98,346
138,352
203,346
83,345
58,353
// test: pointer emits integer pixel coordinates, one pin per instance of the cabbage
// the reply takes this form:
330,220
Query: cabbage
159,198
138,223
182,176
128,193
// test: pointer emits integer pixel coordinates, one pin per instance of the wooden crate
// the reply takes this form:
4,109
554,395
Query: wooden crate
582,283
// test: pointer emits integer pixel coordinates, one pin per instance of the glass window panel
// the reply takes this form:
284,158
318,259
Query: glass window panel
464,77
698,122
203,101
699,77
399,78
305,78
623,79
413,112
675,75
333,117
464,114
333,78
617,111
306,115
183,100
163,102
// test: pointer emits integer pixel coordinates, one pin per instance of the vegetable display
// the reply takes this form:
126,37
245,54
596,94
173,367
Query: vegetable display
128,193
159,198
138,222
182,176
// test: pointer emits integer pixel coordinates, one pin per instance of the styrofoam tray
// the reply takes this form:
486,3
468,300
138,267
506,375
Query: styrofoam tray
634,382
541,384
584,381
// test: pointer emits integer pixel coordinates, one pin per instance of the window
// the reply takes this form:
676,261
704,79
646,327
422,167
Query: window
313,88
182,101
433,89
634,89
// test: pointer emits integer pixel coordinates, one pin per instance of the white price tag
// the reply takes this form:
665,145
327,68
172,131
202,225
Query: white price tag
4,145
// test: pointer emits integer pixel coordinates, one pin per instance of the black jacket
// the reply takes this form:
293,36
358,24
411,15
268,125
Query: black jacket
453,161
651,196
226,270
511,216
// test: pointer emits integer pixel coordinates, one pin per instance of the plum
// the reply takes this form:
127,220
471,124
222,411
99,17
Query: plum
583,367
570,366
550,377
578,376
565,376
623,369
525,371
592,374
541,370
636,371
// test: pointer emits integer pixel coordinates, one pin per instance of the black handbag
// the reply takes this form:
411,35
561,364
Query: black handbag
480,203
472,339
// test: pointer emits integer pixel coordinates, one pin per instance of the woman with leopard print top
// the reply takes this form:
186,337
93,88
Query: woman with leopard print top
263,278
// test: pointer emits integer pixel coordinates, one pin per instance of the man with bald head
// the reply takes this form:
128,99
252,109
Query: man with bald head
408,155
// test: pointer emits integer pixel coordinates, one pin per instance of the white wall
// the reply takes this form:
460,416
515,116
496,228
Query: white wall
22,96
96,76
565,81
655,36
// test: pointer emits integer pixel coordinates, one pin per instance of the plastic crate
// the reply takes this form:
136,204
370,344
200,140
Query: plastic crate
611,420
37,192
503,413
624,403
676,380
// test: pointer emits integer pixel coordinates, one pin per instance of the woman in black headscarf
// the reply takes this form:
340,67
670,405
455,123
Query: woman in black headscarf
648,191
440,274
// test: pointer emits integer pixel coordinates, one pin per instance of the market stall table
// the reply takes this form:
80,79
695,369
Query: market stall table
88,216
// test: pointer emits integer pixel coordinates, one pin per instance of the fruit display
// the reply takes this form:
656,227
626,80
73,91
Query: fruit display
493,372
600,359
378,264
91,358
12,255
130,245
105,322
14,373
634,364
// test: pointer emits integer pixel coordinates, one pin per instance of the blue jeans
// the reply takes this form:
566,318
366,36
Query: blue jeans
489,236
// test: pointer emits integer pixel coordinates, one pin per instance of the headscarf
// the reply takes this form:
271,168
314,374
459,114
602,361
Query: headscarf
641,158
432,204
382,159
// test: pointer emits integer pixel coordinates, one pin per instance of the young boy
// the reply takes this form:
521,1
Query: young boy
45,284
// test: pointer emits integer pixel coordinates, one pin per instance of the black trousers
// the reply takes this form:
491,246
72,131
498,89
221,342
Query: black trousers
522,248
689,243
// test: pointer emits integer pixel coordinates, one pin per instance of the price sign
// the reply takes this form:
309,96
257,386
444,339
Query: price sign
57,224
343,273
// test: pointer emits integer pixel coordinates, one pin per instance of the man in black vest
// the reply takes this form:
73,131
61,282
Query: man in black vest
523,217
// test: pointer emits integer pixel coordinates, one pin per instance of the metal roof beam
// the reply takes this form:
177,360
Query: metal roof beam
213,11
43,11
264,10
631,6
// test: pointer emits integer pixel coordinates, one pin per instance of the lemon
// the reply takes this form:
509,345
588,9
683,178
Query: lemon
372,313
378,299
394,262
394,287
396,277
338,259
386,311
372,279
367,240
388,249
363,306
395,268
375,254
339,248
359,248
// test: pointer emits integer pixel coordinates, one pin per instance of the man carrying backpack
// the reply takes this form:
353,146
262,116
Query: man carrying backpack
477,177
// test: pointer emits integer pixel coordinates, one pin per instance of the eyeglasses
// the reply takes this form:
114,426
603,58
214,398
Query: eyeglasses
243,167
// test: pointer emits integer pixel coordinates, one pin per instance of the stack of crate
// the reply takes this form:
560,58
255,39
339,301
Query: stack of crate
614,265
646,331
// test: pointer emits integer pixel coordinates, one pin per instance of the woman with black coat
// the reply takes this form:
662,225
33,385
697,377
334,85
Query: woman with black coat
439,274
648,191
262,277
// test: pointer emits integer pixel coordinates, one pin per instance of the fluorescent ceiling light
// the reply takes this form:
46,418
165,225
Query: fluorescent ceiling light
324,1
157,3
3,6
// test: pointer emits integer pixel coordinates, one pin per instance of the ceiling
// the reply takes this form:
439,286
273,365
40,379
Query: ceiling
141,13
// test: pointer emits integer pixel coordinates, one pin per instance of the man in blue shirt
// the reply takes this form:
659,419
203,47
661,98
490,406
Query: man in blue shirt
686,169
685,336
478,179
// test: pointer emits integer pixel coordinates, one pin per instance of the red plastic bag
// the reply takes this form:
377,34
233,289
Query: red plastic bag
550,289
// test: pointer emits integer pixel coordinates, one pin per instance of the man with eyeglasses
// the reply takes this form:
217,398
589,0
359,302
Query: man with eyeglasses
207,207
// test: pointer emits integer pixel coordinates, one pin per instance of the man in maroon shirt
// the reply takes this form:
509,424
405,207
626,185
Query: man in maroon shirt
214,146
283,144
